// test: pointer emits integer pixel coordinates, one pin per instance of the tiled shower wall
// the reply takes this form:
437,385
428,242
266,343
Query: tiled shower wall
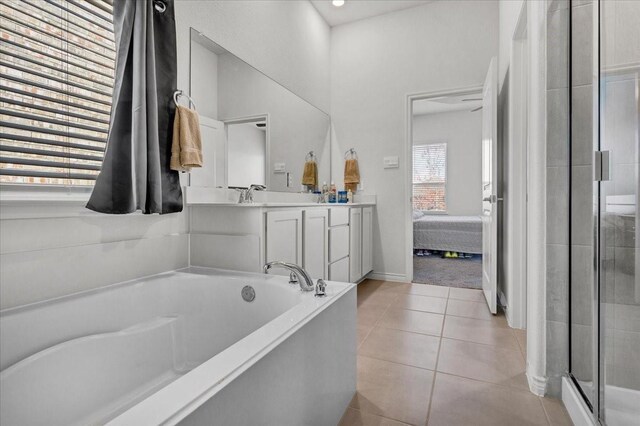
557,193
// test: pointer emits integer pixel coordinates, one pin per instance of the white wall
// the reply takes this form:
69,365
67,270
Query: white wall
287,40
247,154
462,131
375,64
508,12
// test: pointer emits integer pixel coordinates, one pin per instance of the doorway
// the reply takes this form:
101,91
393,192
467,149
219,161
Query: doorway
446,188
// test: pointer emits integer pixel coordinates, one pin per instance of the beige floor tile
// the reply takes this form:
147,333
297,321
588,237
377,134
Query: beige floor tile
479,331
417,350
363,331
353,417
389,286
427,290
376,298
521,337
556,413
414,302
369,315
469,294
392,390
460,401
482,362
477,310
416,321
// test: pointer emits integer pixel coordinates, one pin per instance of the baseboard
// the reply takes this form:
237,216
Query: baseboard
577,409
382,276
537,384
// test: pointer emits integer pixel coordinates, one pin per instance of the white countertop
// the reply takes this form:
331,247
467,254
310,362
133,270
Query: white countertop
220,197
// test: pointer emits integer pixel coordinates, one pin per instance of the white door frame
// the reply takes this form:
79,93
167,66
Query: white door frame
537,203
408,155
516,198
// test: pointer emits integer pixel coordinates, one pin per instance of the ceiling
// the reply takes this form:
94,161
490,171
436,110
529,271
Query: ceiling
447,104
354,10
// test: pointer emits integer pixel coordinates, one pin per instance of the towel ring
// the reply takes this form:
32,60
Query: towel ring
351,152
310,156
179,93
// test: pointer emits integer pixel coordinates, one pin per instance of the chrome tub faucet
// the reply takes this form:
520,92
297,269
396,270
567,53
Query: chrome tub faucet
300,276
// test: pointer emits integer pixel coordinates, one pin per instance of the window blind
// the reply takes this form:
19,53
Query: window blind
430,177
57,60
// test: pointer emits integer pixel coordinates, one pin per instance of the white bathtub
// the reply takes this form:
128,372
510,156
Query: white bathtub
181,347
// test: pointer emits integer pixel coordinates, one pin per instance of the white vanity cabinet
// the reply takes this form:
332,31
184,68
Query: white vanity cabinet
355,244
315,241
339,246
330,242
284,236
367,240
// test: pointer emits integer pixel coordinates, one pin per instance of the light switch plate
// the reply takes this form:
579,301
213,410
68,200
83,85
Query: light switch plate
279,167
391,162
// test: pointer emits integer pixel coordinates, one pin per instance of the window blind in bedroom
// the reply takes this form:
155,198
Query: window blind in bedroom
430,177
57,62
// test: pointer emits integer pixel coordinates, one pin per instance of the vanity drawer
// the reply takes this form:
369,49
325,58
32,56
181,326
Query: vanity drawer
338,243
338,216
339,271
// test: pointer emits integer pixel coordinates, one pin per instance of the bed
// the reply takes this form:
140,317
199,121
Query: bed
447,233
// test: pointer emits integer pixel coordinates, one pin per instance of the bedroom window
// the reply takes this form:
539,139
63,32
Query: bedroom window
430,177
57,64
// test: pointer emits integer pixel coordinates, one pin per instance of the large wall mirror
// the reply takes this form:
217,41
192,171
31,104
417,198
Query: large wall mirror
255,131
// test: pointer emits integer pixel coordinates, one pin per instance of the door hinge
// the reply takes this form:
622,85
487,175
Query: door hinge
602,166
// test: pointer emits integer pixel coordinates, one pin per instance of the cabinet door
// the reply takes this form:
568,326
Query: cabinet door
315,243
355,244
284,238
339,271
367,240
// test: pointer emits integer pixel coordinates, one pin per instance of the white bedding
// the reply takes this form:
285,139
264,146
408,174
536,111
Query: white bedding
448,233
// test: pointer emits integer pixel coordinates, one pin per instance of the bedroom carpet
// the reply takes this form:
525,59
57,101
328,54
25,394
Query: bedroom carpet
465,273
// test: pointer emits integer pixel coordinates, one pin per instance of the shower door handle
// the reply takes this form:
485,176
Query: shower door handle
602,166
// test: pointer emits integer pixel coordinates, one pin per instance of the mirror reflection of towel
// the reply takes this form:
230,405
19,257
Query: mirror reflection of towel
351,175
310,174
186,147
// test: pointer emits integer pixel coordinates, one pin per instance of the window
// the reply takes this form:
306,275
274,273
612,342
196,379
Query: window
57,64
430,177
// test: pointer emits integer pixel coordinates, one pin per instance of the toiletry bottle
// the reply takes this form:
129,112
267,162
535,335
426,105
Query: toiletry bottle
325,192
333,194
349,196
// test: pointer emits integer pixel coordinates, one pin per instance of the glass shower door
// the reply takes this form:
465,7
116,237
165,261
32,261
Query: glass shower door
618,219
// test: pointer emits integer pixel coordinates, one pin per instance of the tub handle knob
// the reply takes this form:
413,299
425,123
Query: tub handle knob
321,288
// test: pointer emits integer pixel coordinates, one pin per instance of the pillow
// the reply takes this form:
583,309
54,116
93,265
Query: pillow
417,214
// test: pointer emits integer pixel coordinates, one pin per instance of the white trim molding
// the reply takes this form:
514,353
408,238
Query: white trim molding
383,276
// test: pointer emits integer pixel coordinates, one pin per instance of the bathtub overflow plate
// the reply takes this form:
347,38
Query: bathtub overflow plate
248,293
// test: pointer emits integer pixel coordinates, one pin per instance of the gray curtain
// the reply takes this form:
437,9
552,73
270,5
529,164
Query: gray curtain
135,174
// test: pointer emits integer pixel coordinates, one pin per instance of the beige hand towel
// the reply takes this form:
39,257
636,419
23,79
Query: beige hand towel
351,175
186,147
310,174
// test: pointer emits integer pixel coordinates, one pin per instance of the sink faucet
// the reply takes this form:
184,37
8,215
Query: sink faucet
246,195
305,281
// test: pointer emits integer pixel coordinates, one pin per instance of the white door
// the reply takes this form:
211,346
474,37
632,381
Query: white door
284,238
316,243
489,187
212,173
355,244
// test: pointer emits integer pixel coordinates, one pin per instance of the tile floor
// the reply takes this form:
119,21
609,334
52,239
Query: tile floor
435,355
